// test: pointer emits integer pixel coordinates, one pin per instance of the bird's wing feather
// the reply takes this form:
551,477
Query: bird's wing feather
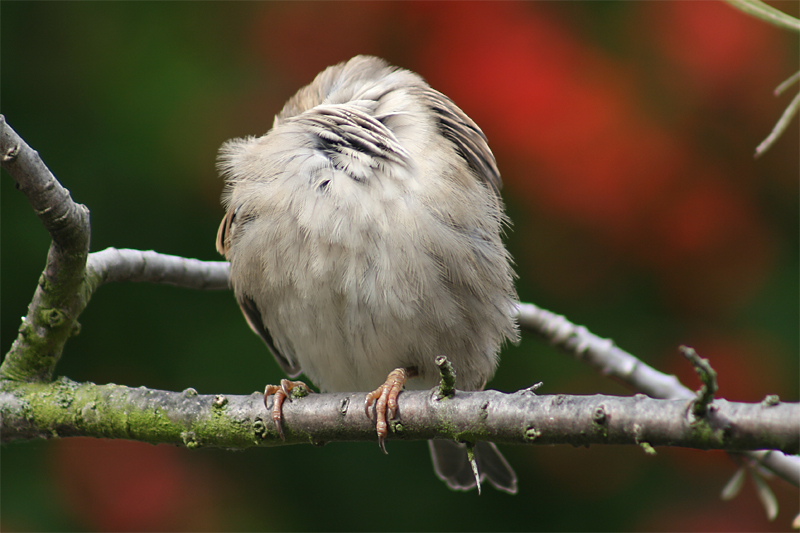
469,140
253,316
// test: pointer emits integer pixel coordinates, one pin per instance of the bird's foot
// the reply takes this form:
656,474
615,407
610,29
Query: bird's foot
281,393
385,400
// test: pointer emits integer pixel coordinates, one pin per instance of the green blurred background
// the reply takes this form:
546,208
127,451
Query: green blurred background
625,134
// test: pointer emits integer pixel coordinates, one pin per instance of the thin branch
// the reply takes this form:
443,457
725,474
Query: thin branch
599,353
734,486
708,377
447,383
788,83
765,12
609,360
67,283
65,408
58,300
119,265
780,127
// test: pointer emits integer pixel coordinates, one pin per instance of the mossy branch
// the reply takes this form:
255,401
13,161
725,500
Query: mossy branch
59,297
64,408
708,376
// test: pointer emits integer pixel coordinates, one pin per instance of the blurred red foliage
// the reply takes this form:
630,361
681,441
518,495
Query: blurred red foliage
584,148
720,52
301,39
117,485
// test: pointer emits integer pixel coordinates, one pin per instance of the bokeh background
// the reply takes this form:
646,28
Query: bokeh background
625,134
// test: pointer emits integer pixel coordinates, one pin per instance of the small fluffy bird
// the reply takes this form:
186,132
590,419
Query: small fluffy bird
364,236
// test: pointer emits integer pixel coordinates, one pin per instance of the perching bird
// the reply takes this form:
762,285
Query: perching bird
364,236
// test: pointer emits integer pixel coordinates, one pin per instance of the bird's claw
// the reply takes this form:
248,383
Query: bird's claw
281,393
385,400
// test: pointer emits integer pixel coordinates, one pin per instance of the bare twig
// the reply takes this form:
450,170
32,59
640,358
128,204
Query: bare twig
474,464
767,13
708,377
788,83
774,16
447,383
58,300
780,127
609,360
135,265
65,408
599,353
68,281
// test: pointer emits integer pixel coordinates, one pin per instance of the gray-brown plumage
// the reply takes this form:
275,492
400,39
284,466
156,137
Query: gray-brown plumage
363,232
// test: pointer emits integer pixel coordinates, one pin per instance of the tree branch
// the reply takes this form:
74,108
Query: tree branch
705,396
58,300
66,409
766,12
135,265
67,283
783,123
599,353
605,357
763,11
